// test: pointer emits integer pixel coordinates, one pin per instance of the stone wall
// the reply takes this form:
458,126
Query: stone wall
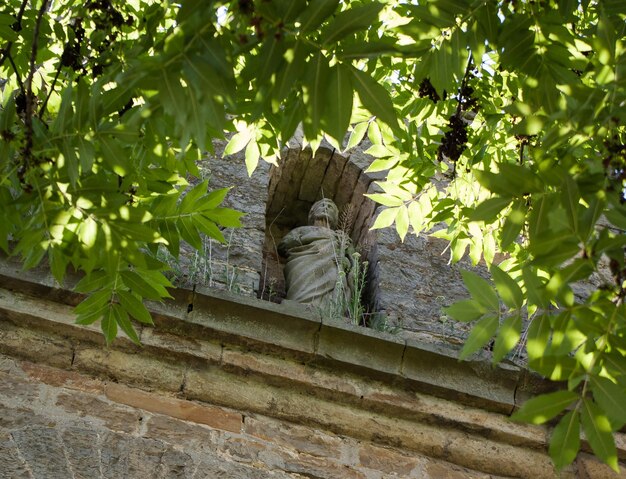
409,282
227,386
62,424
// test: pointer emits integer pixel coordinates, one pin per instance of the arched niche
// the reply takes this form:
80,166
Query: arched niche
303,178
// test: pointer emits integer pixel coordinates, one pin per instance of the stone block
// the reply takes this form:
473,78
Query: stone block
260,321
15,387
144,457
176,464
347,183
182,434
359,347
11,464
157,340
316,169
388,461
179,408
360,188
34,345
42,450
437,369
14,416
300,438
112,416
114,451
322,468
333,175
226,468
141,370
81,446
62,378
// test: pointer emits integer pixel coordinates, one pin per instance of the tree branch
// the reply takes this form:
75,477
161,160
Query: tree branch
17,73
28,118
45,103
6,51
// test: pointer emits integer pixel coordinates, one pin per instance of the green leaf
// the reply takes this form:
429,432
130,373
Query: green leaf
349,21
489,209
92,281
610,397
538,336
317,11
209,228
507,338
237,143
513,224
316,86
121,318
385,218
615,363
556,368
292,71
402,222
211,200
570,196
139,285
189,232
108,324
374,97
336,118
599,434
543,408
252,156
188,204
481,290
357,134
535,288
507,287
135,307
225,217
92,315
94,301
480,335
466,310
385,199
565,440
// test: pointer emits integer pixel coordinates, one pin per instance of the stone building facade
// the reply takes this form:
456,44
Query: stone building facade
230,385
408,283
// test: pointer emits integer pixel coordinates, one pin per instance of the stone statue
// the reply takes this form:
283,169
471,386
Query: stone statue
318,260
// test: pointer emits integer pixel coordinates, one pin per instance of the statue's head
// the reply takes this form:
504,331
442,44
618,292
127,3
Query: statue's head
325,210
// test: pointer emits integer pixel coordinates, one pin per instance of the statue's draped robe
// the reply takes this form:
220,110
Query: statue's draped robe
314,256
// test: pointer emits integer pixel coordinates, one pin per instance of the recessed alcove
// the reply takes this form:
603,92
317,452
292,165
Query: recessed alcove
301,179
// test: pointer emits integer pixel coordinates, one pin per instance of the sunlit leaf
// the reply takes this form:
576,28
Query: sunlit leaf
507,287
385,218
599,434
508,336
315,13
481,290
466,310
350,20
543,408
480,335
374,97
565,440
135,307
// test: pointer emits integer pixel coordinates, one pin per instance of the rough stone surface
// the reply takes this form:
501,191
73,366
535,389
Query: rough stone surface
52,440
409,283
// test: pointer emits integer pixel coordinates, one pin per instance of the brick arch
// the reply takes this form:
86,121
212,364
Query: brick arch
304,178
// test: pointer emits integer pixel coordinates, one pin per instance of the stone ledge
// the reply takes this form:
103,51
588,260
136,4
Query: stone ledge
221,317
324,394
